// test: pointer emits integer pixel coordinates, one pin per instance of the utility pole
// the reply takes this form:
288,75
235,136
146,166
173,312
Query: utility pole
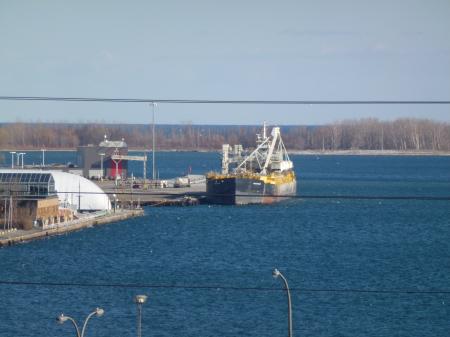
145,169
154,142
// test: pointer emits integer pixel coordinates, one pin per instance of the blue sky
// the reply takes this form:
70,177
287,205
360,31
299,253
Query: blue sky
271,50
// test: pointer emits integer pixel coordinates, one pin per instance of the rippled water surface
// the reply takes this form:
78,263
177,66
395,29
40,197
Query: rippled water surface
357,267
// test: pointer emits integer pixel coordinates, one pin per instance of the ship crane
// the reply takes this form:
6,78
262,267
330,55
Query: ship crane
275,135
256,154
263,155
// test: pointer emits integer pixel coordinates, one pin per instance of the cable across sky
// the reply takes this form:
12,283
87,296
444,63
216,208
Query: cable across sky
310,196
217,287
224,101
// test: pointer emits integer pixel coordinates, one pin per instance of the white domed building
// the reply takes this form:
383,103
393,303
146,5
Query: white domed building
73,191
80,192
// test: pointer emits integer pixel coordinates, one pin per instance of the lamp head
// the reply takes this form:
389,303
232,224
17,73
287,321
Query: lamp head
61,319
99,312
276,273
140,299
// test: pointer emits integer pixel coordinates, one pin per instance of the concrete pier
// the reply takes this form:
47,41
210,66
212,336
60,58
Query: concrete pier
85,221
129,197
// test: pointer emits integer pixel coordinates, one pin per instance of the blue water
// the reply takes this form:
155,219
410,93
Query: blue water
338,244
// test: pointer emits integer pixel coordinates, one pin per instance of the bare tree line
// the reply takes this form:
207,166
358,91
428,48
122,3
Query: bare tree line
365,134
372,134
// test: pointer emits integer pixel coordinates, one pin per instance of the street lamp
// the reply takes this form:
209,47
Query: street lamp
22,154
115,202
139,300
12,158
62,318
275,274
43,157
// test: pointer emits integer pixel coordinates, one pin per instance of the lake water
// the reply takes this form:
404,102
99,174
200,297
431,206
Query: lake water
357,267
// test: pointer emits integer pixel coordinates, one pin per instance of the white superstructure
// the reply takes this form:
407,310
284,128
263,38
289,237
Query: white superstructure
269,156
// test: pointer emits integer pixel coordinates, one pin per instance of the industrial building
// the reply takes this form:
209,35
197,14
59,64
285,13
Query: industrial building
104,160
35,198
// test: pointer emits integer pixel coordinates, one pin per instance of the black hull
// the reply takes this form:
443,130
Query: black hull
243,191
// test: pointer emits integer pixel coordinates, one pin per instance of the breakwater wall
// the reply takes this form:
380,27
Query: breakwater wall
19,236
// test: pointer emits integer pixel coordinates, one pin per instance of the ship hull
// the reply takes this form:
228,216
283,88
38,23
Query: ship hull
243,191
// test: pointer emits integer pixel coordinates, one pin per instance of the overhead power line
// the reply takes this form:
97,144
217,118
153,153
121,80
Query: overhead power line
220,101
162,194
217,287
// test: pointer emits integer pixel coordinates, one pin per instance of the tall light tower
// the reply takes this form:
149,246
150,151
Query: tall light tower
153,142
12,158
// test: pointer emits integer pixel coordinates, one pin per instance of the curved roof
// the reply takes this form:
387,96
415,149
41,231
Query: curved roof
91,197
113,143
73,189
27,184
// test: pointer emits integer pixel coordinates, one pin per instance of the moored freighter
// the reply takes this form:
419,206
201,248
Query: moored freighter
265,175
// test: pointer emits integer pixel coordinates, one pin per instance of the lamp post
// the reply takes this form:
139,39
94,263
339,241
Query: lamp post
43,157
139,300
22,154
62,318
12,158
115,202
275,274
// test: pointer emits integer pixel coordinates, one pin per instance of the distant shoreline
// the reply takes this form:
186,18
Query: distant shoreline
294,152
